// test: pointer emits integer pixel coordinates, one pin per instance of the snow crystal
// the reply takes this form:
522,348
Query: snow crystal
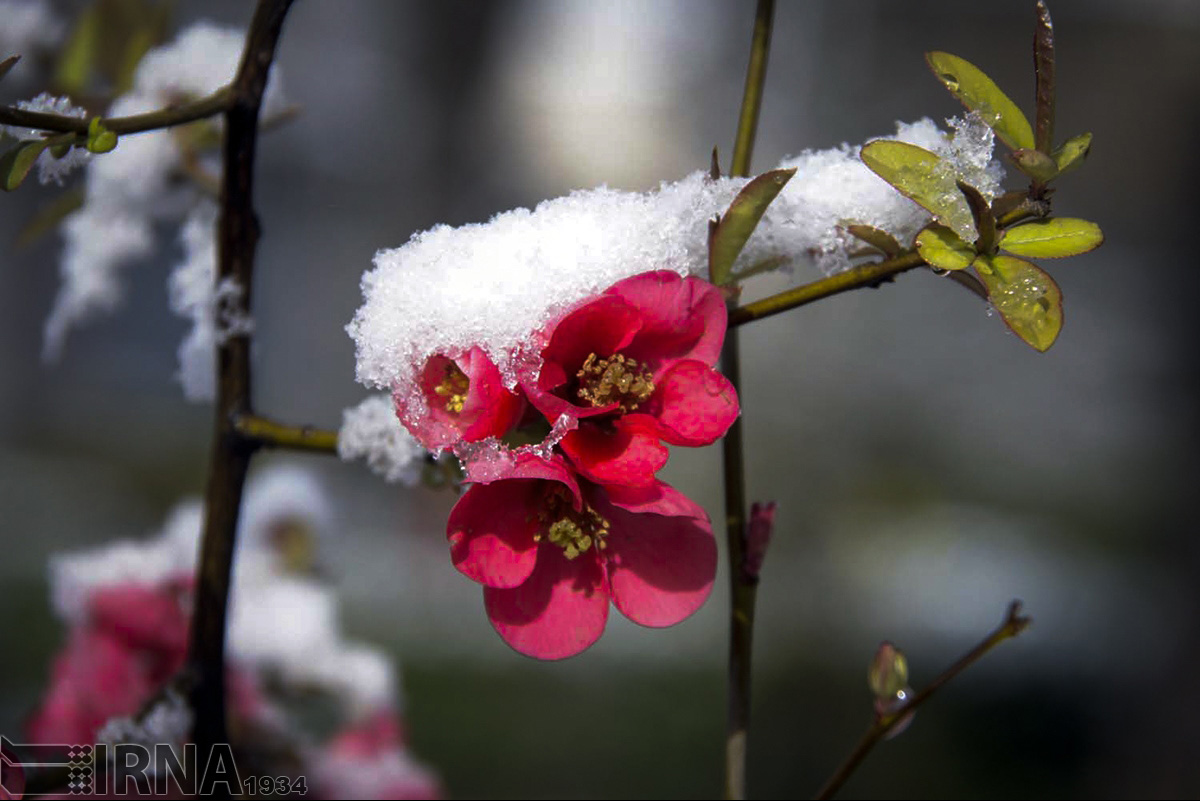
372,431
213,308
169,720
137,185
50,167
496,284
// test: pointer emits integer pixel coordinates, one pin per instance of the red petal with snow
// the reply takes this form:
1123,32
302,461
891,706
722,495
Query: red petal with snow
560,610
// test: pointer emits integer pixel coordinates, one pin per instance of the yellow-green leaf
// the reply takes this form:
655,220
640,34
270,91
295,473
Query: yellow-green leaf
18,161
943,248
1052,238
879,239
918,174
1036,164
979,93
1073,152
1026,297
732,231
77,58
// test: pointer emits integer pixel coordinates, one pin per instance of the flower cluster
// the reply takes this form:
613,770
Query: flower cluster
556,529
127,609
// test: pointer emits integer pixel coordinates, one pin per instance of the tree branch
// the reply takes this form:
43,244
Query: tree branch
216,103
237,236
1014,623
866,275
270,434
743,590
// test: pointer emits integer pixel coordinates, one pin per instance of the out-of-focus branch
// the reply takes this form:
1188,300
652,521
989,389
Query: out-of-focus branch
237,236
1014,623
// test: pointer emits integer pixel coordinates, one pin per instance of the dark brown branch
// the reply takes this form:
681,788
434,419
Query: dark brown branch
1014,623
237,236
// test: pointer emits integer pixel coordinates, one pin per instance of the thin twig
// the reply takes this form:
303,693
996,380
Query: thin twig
866,275
743,591
270,434
237,236
209,106
1014,623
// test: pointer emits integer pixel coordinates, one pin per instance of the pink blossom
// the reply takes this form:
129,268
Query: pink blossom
551,551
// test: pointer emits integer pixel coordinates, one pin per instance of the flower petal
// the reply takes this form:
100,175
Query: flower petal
659,498
661,569
694,404
491,531
627,452
488,409
682,318
560,610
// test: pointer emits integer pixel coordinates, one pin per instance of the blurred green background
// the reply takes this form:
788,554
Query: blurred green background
929,467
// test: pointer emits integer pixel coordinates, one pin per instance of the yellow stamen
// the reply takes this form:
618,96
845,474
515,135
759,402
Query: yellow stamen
453,388
574,532
616,379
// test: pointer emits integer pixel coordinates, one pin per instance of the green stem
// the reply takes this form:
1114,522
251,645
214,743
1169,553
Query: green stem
237,236
1014,623
216,103
866,275
270,434
742,589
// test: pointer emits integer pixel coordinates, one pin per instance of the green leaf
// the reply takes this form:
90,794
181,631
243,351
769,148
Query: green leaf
729,235
943,248
99,138
1043,70
918,174
1052,238
1036,164
1073,152
18,161
47,218
981,213
7,64
881,240
78,56
979,93
1025,296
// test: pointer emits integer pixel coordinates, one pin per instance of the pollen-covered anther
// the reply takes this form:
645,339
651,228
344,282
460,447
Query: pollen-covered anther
453,388
616,379
574,531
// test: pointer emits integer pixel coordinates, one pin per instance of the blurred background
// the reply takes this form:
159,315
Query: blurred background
928,465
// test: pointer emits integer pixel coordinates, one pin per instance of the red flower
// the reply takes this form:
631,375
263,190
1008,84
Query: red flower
465,401
633,367
552,551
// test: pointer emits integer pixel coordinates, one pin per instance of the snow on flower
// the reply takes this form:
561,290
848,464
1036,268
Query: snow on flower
127,608
51,167
551,552
492,286
372,431
140,184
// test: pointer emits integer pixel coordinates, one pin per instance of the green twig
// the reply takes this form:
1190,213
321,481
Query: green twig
270,434
866,275
1014,623
743,591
